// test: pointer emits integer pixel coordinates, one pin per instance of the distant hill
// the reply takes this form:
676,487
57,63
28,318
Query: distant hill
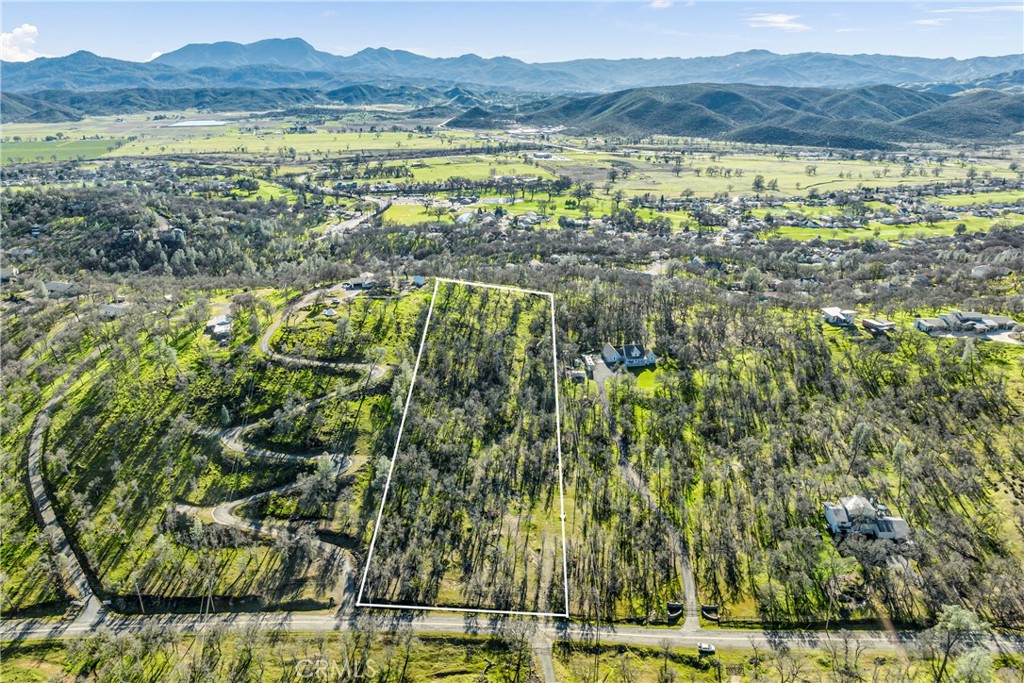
877,117
69,105
294,62
1009,81
293,53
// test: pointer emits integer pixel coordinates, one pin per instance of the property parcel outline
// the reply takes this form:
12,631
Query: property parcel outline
398,440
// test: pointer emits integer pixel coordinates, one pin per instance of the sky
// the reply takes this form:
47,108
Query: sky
534,31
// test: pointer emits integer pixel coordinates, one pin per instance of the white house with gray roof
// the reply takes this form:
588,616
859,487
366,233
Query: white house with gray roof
630,355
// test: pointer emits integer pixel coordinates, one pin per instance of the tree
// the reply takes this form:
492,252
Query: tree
753,280
758,184
974,667
617,198
247,185
955,629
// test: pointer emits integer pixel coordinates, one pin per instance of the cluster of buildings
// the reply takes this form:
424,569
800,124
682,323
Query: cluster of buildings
954,321
859,515
966,321
841,317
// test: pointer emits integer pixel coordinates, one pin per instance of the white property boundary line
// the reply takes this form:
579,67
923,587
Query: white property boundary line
398,440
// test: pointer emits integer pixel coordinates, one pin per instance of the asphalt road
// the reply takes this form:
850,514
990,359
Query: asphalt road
75,576
547,630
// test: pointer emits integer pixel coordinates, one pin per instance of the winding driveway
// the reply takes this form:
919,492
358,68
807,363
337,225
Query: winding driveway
76,578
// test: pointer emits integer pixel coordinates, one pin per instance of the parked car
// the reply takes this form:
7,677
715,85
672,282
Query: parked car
705,649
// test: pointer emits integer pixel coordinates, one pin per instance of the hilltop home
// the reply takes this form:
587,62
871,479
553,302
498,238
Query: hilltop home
858,515
60,288
877,327
834,315
364,281
931,325
219,327
630,355
114,310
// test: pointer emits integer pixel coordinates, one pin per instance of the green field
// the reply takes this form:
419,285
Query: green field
57,150
648,175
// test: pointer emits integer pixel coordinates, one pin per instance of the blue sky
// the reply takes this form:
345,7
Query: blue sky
531,31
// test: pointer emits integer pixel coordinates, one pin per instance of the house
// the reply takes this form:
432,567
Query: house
877,327
857,514
834,315
60,288
219,327
8,274
836,518
610,354
114,310
636,356
364,281
931,325
974,320
630,355
965,321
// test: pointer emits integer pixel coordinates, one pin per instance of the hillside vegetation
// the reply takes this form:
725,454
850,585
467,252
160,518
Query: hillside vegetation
877,117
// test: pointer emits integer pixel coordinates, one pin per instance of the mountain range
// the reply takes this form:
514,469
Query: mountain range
293,62
816,99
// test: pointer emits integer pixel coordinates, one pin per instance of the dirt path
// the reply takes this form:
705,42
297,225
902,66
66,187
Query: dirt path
542,653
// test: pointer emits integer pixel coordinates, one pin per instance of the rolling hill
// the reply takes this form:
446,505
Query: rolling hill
69,105
877,117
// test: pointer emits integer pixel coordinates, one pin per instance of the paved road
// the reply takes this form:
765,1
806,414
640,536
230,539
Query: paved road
76,578
341,227
304,301
435,623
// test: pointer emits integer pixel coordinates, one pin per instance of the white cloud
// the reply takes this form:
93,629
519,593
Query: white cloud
850,30
983,9
939,21
153,56
786,22
661,4
19,45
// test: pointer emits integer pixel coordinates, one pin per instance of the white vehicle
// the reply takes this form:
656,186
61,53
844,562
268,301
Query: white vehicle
705,649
